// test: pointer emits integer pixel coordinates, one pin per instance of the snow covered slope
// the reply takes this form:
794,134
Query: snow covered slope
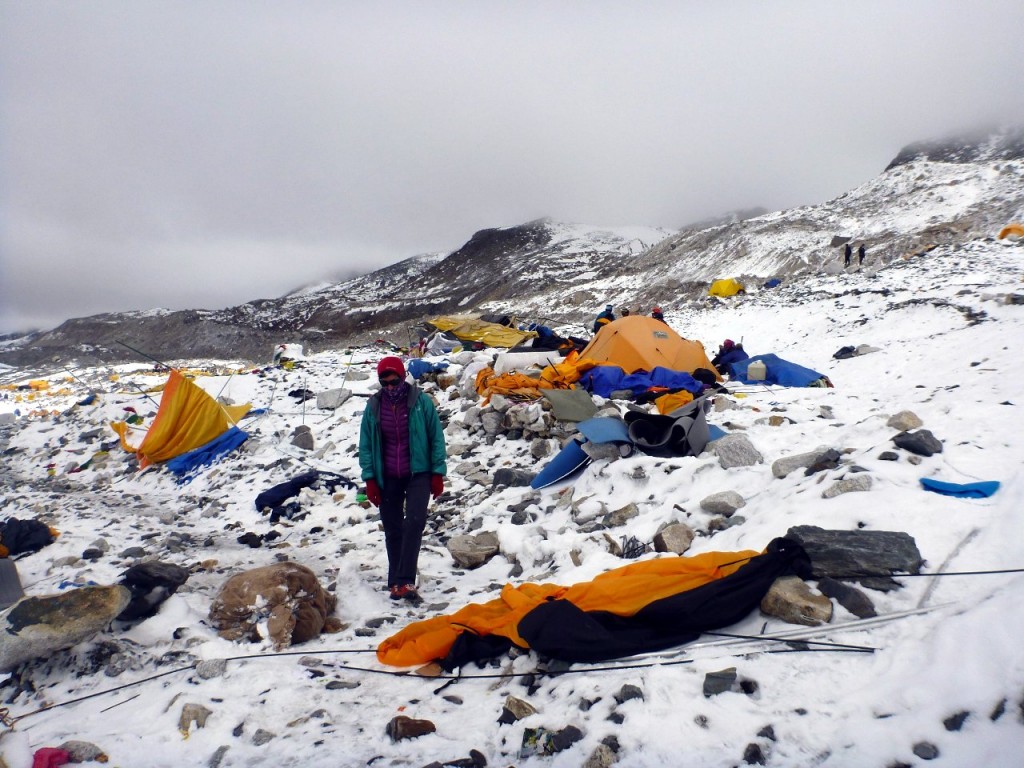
944,683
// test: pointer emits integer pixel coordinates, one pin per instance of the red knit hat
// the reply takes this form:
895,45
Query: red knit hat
393,364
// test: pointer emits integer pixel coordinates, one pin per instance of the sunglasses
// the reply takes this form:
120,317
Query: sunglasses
391,381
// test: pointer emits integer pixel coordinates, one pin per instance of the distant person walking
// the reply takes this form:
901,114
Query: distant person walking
860,254
657,315
402,457
608,316
847,254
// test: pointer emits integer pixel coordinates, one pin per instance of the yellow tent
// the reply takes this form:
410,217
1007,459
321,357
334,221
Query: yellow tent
726,287
187,418
637,342
475,329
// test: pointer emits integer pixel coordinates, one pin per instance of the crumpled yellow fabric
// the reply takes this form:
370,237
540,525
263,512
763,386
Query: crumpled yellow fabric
187,418
622,591
673,400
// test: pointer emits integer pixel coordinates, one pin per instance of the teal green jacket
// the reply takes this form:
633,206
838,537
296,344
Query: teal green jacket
427,452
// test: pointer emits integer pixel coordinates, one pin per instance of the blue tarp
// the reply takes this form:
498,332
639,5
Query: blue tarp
778,371
980,490
186,463
604,379
417,367
773,283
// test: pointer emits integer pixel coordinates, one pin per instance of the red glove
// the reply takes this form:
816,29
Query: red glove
436,485
373,492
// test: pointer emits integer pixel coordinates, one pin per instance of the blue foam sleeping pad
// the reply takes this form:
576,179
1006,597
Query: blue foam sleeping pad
981,490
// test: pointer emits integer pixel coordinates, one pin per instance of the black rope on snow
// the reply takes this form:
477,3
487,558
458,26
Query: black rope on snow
12,721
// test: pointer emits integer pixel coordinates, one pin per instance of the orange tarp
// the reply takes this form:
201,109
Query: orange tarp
559,376
622,591
1012,230
636,343
187,418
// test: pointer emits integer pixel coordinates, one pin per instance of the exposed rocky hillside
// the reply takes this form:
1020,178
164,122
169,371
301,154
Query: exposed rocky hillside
931,194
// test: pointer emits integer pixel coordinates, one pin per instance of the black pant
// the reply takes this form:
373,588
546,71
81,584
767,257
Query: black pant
403,511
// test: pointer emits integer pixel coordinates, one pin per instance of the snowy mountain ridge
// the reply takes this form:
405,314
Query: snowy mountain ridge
563,273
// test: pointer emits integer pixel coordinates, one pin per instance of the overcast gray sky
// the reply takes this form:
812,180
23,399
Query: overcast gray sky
201,154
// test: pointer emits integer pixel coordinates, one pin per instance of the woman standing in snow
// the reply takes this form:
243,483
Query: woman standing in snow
402,456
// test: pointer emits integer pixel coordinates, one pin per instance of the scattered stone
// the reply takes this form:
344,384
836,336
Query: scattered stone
218,756
193,713
825,412
261,737
753,755
904,421
791,600
602,757
857,483
83,752
515,709
922,442
828,460
783,466
36,627
599,451
332,398
132,553
211,668
627,693
888,456
512,478
722,503
736,450
768,732
341,685
719,682
851,598
723,403
676,537
473,551
492,422
926,750
402,727
844,554
956,722
302,437
721,523
540,448
621,516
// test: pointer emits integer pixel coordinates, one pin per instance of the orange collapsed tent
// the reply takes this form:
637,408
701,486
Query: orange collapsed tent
645,606
1012,230
188,418
636,342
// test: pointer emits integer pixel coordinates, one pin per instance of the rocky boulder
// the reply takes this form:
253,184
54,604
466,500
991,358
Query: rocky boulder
35,627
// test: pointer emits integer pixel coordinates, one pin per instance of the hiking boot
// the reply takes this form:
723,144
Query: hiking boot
410,594
397,592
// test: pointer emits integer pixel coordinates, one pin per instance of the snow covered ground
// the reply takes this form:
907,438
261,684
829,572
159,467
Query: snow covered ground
949,350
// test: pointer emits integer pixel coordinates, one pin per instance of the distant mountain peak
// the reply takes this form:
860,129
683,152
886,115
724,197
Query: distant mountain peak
979,146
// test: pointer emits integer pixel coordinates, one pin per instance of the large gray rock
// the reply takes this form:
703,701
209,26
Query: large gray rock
922,442
785,465
791,600
332,398
722,503
847,555
736,450
473,551
492,422
35,627
513,478
676,537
